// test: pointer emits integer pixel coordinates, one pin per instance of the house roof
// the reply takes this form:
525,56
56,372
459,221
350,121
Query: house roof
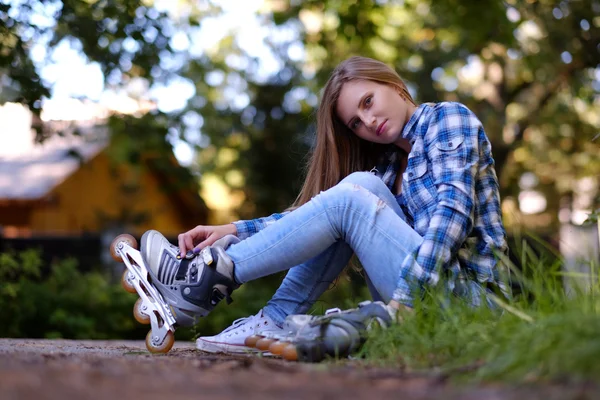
29,170
33,175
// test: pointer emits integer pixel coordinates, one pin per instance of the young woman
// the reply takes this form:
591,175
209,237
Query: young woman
411,190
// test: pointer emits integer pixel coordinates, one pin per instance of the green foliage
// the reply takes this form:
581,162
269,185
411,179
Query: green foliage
594,217
527,70
100,29
60,301
542,333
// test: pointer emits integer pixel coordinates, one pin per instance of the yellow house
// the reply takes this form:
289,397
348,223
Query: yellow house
69,186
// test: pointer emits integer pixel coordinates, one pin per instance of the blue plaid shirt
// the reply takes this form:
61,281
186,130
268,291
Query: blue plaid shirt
449,196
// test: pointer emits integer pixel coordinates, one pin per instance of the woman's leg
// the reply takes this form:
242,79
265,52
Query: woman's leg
305,283
368,220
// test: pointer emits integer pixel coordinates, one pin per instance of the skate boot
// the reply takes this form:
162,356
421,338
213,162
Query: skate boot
174,291
336,334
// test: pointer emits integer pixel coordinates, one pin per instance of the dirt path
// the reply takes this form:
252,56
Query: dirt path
64,369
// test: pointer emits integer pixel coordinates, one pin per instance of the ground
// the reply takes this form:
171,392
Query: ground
64,369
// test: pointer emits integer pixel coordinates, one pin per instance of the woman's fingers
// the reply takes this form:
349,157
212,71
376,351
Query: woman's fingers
203,236
186,240
181,243
209,240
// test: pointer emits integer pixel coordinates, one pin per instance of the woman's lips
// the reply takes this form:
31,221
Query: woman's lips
380,128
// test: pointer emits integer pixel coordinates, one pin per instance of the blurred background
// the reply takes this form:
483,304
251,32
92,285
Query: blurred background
125,115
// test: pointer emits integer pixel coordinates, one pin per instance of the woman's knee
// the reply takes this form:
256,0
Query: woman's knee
367,180
351,196
355,188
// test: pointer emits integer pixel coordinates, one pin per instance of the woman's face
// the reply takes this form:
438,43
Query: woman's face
373,111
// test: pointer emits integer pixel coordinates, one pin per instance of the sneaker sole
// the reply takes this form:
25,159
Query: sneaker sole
215,347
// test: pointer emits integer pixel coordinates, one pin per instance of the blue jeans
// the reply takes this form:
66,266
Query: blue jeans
315,242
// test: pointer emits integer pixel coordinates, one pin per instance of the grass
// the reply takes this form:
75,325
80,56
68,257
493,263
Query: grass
542,333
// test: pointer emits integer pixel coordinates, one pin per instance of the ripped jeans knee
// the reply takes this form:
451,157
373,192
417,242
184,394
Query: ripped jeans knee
374,185
350,197
367,180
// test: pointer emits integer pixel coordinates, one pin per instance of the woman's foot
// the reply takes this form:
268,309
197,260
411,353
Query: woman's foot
231,340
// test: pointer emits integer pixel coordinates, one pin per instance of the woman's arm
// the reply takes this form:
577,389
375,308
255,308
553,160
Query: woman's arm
247,228
205,235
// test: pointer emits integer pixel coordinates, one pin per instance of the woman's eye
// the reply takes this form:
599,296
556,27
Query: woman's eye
368,101
354,124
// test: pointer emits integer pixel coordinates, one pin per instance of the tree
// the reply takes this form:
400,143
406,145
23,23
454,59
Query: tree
124,37
528,69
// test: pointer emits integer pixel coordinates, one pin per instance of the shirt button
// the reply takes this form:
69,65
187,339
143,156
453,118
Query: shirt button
449,144
410,174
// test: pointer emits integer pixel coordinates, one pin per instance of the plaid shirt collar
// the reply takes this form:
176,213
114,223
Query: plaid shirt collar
410,128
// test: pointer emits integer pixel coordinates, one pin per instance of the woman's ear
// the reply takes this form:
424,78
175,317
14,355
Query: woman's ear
401,93
404,96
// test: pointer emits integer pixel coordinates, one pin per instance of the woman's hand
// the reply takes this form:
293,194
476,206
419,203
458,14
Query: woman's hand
202,236
397,309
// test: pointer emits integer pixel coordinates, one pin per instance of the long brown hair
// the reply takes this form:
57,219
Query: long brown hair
338,152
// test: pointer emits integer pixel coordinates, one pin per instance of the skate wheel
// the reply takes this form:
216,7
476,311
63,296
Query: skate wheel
140,316
263,344
125,282
125,237
277,348
290,353
251,340
164,347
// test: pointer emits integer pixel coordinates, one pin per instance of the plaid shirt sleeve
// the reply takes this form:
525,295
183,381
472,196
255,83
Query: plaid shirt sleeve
247,228
452,148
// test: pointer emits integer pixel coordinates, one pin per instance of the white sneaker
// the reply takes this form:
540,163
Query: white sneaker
231,340
292,324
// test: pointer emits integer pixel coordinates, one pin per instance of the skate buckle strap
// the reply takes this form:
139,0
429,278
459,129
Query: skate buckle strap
182,271
207,256
217,296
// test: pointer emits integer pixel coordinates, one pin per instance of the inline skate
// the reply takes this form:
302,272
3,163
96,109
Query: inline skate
335,334
174,290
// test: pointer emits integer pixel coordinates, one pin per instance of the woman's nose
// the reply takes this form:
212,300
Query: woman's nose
371,121
368,119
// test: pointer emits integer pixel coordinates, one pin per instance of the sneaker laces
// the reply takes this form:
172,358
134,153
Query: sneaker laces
242,321
236,324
